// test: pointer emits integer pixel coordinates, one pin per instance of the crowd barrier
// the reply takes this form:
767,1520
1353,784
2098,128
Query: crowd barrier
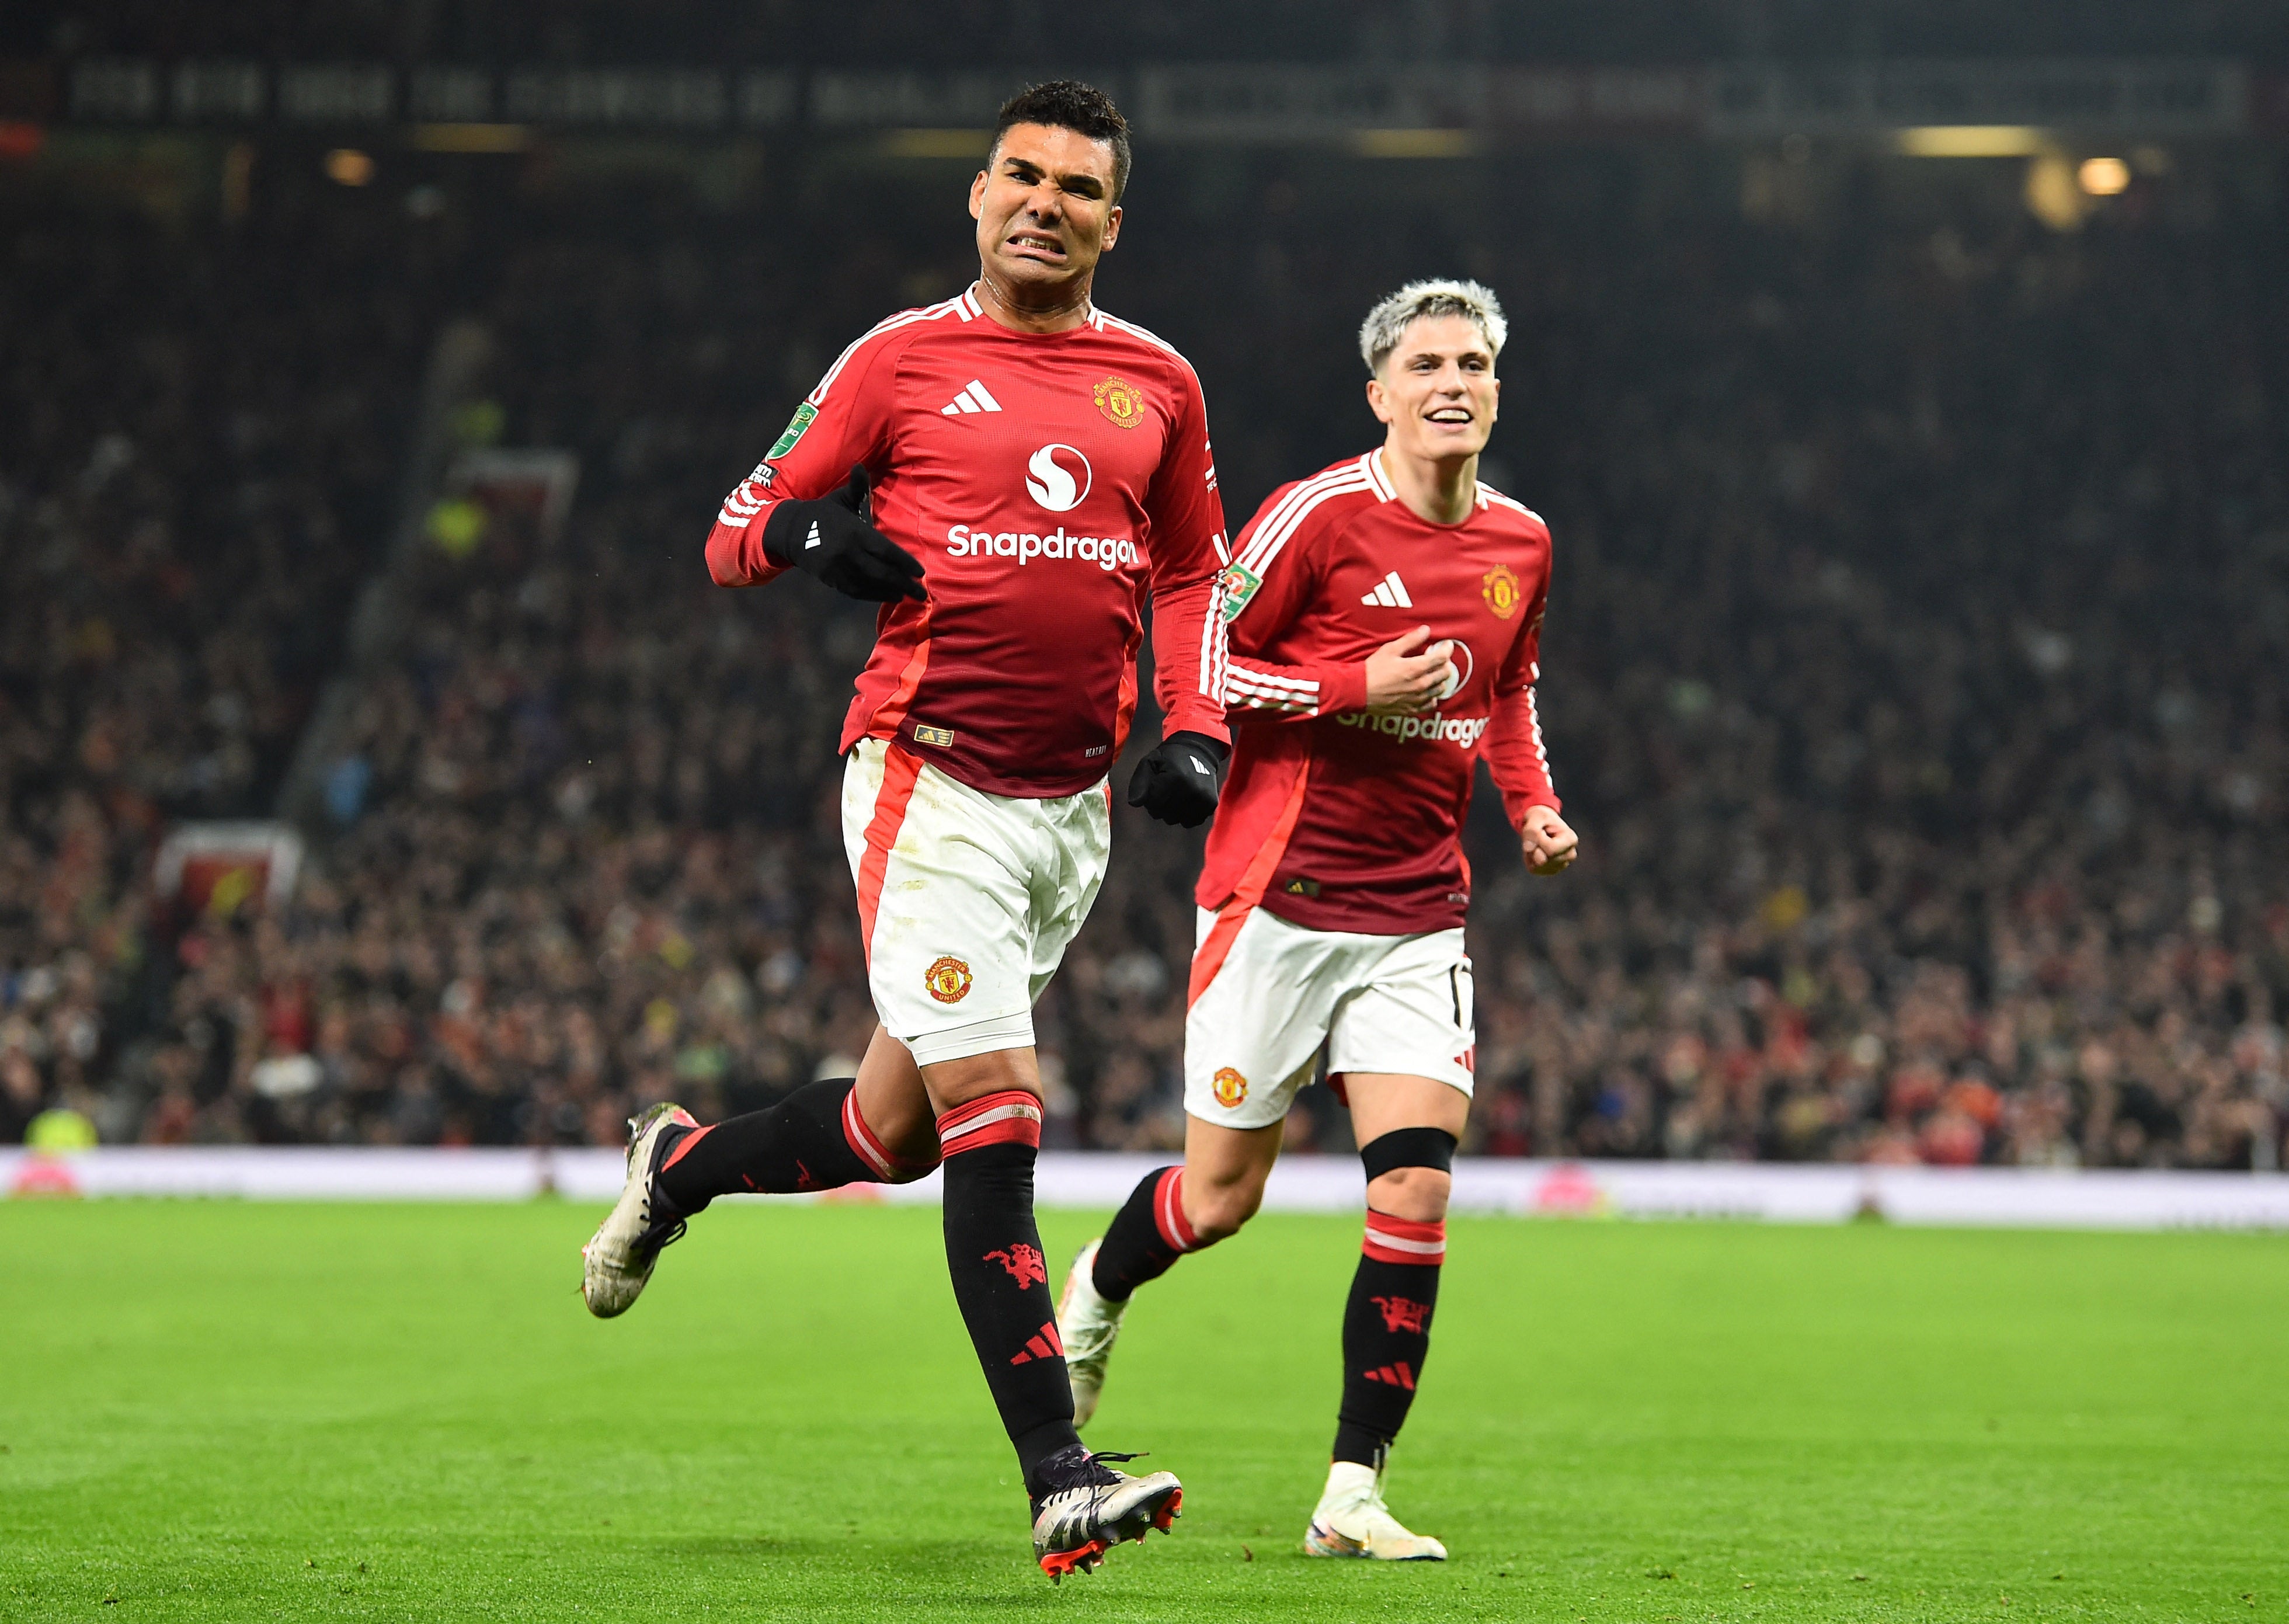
1786,1194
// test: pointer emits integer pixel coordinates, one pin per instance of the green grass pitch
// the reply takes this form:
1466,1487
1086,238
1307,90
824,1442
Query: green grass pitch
220,1411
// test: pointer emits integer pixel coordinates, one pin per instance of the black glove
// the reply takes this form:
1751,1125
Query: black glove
1177,782
833,539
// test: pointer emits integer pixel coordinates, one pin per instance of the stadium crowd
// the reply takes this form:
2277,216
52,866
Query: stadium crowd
202,427
1908,673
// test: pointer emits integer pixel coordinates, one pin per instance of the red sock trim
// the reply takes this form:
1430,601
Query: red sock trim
1403,1240
1011,1117
863,1144
683,1146
1168,1211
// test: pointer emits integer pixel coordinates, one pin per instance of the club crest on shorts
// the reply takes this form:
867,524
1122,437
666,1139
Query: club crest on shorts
1228,1086
948,980
1120,403
1502,592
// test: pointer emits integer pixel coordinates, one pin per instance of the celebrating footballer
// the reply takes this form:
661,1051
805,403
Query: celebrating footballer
1009,473
1385,617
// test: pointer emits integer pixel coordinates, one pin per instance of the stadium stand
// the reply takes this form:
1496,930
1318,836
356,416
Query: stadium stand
202,425
1907,671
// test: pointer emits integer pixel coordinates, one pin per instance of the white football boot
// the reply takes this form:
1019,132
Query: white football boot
618,1258
1090,1509
1352,1520
1087,1324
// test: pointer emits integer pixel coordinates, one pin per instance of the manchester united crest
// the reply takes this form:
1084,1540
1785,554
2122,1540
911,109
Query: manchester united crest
1502,592
1120,401
1230,1087
948,980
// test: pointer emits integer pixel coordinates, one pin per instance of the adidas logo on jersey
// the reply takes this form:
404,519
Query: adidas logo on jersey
1390,592
972,398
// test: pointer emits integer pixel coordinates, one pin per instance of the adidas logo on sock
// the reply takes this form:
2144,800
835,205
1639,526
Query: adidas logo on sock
972,398
1390,592
1043,1344
813,540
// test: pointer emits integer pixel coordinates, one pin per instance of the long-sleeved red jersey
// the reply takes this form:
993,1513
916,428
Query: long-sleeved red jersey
1335,819
1044,480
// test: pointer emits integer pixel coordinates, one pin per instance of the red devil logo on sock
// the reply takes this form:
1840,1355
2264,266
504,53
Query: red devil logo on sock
1024,1263
1403,1313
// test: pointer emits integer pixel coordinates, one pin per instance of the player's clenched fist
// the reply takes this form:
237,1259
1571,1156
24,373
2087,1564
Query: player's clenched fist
1177,782
1551,845
831,539
1404,678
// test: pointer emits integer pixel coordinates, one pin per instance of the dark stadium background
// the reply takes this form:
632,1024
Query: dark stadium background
1913,670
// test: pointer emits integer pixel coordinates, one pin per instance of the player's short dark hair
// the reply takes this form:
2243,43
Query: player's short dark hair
1068,104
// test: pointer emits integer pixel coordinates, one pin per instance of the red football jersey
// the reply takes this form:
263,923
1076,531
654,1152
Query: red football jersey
1045,481
1332,818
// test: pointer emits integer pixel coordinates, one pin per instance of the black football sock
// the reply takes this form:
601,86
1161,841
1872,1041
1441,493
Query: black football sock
1146,1236
1386,1332
814,1139
1000,1279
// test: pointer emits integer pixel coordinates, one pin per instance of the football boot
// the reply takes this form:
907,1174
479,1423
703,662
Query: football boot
618,1258
1086,1508
1352,1520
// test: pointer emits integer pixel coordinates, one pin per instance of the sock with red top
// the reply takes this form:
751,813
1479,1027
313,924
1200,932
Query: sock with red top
1386,1332
814,1139
1146,1236
1000,1279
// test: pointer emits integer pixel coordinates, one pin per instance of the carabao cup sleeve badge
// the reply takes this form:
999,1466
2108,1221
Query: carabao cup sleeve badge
803,415
1240,583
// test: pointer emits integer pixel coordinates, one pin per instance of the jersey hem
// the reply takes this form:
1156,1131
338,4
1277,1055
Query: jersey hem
972,776
1316,914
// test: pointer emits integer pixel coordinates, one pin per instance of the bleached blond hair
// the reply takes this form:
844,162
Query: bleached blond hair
1388,321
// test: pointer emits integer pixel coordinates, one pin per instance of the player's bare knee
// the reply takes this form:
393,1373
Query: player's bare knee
1217,1211
1417,1194
1410,1172
916,1155
905,1124
958,1081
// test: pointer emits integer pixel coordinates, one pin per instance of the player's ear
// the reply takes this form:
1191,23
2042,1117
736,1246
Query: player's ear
1112,229
977,197
1378,402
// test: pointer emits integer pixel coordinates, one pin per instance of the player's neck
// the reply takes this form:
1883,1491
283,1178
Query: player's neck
1051,309
1441,489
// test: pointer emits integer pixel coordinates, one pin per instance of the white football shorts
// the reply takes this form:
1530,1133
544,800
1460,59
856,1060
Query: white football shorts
966,899
1266,1000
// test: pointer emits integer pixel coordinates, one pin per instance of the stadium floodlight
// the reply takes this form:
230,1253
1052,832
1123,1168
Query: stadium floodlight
2103,177
1973,141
